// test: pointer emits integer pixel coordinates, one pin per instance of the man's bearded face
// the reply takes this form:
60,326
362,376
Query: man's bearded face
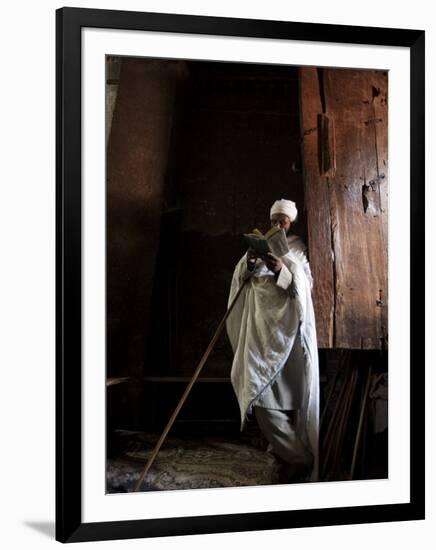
282,221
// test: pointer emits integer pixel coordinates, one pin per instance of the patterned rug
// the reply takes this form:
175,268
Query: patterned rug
191,463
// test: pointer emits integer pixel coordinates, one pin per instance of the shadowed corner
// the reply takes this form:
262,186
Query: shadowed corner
47,528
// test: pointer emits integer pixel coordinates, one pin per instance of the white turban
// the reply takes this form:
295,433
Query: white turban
286,207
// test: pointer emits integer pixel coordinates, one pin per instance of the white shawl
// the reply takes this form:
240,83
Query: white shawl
262,328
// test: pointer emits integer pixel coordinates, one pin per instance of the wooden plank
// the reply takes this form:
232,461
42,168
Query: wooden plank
356,210
379,79
318,208
347,206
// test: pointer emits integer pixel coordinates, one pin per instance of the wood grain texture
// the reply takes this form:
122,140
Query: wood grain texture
318,209
355,197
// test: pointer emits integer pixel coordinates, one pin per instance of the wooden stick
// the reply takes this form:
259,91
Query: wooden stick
336,434
359,428
332,388
331,433
343,422
364,443
338,403
189,387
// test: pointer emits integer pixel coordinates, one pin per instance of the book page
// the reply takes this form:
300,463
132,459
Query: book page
278,243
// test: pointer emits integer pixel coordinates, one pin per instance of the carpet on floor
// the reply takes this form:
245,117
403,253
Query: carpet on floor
191,463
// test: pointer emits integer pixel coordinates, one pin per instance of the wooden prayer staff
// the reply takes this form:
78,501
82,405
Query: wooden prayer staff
189,387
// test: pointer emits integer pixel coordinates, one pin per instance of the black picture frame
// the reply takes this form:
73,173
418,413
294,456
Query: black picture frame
69,525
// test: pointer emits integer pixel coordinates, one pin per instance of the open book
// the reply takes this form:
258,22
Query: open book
273,241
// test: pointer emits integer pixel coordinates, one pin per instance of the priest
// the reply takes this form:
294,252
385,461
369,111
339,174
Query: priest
272,331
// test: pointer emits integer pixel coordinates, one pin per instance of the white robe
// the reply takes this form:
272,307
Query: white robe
262,327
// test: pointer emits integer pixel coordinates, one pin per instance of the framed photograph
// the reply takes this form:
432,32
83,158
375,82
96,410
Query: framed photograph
240,274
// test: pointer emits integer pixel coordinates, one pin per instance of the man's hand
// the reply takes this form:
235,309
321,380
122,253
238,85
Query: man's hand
251,259
273,263
251,255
